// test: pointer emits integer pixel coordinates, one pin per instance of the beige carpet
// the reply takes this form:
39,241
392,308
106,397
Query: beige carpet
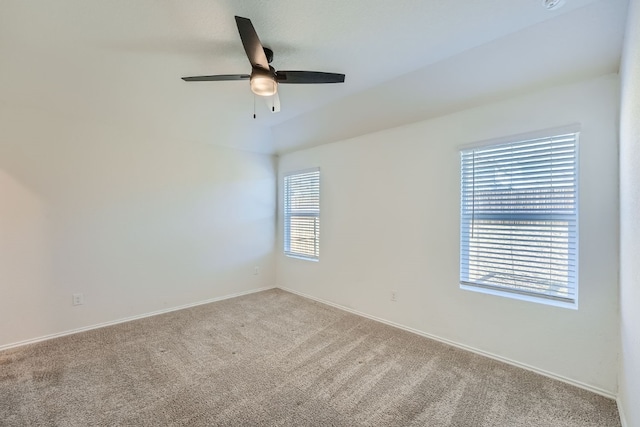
276,359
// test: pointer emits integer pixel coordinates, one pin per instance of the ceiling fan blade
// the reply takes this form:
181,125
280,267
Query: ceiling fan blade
251,43
273,102
308,77
217,78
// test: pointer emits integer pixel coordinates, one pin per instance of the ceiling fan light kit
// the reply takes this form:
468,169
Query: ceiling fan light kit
263,82
264,79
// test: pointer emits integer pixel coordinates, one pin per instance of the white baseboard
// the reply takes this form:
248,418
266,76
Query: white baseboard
623,418
579,384
128,319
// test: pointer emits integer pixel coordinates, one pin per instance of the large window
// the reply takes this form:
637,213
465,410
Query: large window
302,214
519,215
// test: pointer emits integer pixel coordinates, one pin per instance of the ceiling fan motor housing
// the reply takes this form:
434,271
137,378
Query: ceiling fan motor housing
268,53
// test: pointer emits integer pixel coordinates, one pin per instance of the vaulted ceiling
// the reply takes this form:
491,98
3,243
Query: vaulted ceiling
119,62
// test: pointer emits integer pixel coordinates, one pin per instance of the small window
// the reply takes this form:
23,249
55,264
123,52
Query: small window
302,214
519,218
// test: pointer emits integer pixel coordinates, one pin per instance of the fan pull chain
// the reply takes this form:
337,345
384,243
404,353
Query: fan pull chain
254,106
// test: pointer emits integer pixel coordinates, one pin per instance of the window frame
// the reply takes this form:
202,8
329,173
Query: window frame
308,213
505,291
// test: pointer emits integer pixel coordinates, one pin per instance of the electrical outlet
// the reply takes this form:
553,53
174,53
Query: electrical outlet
256,270
78,299
394,295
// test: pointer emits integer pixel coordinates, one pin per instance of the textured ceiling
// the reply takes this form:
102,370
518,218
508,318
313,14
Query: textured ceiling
119,62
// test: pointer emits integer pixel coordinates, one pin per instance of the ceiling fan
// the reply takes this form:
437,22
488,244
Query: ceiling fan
264,79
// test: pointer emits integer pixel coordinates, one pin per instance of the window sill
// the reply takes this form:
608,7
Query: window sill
304,258
529,298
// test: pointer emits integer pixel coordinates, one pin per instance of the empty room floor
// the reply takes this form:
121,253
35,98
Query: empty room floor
276,359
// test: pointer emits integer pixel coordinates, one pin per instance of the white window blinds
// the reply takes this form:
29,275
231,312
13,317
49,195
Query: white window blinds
519,213
302,214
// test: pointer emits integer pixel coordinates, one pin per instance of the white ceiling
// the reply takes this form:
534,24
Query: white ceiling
119,62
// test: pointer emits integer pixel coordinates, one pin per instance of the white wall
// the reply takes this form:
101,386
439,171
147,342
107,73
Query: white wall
390,221
630,221
25,258
135,224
